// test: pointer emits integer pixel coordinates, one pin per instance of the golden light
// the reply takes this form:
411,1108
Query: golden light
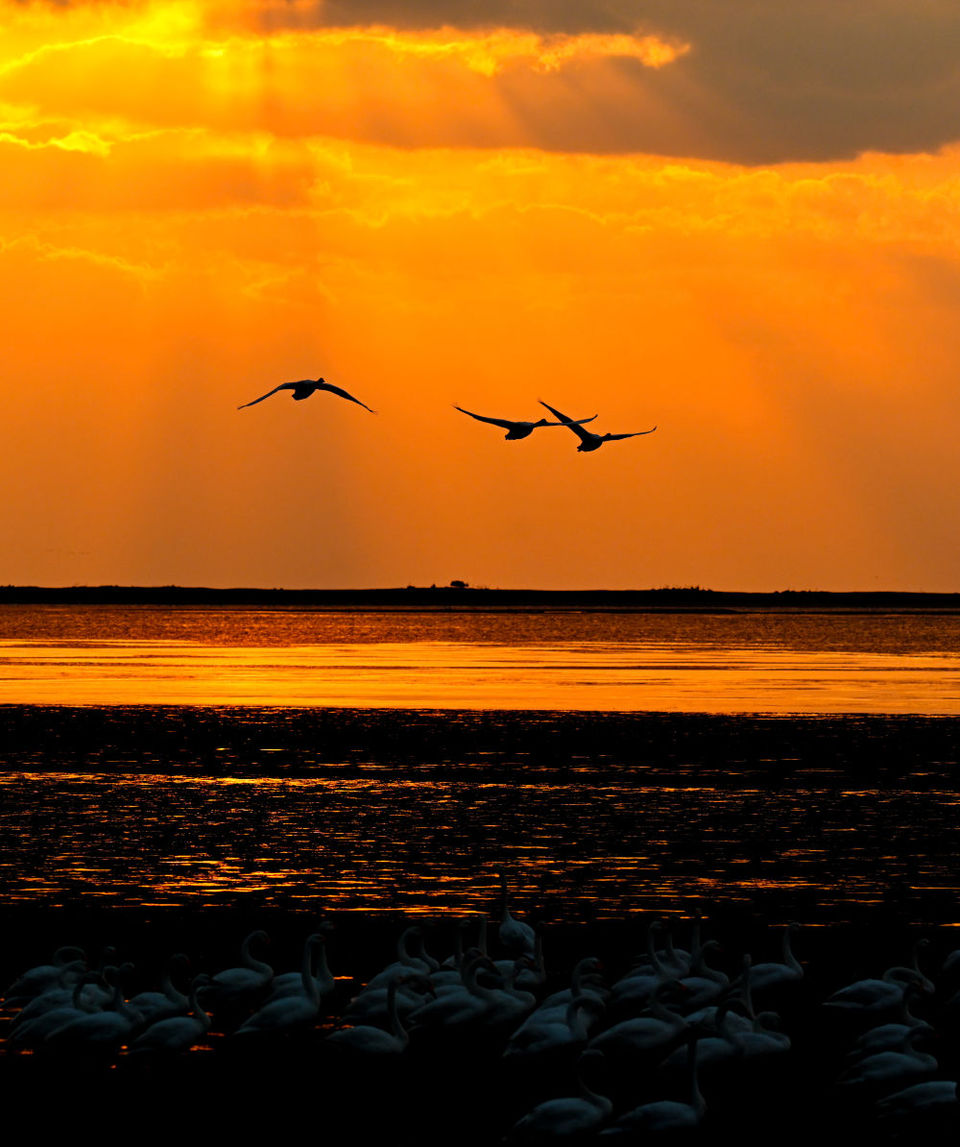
198,204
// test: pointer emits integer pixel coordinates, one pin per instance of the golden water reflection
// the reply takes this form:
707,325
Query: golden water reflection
458,675
762,662
578,851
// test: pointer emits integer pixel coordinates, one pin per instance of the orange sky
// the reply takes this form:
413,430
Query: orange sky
640,215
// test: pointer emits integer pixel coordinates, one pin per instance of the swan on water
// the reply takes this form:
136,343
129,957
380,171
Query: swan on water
289,1013
932,1096
314,959
33,1030
68,963
888,1067
412,956
175,1034
244,985
569,1117
365,1040
515,935
643,1034
154,1006
766,977
97,1033
666,1115
538,1039
867,999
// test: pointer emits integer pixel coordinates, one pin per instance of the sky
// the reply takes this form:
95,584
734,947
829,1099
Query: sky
738,222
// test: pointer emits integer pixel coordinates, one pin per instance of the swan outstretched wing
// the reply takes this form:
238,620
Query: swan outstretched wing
583,435
507,425
282,386
635,434
571,421
321,385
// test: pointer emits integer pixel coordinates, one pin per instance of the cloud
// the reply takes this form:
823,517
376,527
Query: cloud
199,199
748,81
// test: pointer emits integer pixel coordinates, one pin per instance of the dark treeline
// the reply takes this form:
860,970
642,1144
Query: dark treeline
459,595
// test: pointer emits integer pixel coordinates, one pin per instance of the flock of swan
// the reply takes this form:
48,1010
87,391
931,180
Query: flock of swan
589,441
620,1053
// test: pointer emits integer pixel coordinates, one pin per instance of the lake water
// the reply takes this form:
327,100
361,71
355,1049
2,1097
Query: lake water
384,761
763,662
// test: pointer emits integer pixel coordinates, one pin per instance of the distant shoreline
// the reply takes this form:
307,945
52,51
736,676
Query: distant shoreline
418,598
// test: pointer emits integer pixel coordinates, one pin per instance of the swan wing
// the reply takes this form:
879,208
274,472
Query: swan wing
321,385
282,386
573,421
583,435
507,425
635,434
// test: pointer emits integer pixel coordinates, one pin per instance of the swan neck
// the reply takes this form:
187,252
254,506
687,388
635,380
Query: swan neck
788,957
396,1027
250,960
697,1102
170,989
199,1012
310,988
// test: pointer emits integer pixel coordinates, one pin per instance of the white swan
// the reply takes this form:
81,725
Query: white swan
666,1115
933,1096
888,1067
304,388
890,1036
703,983
314,960
289,1013
537,1039
154,1006
644,1034
589,440
586,981
33,1030
411,957
517,430
470,1004
635,989
564,1118
364,1040
175,1034
867,999
246,985
97,1033
515,936
769,976
68,965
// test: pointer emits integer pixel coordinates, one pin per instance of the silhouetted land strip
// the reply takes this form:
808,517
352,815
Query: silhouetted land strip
451,597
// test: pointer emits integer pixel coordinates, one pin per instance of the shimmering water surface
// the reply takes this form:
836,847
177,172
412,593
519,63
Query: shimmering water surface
579,851
762,662
464,751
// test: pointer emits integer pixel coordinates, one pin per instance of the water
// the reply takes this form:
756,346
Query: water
719,663
384,761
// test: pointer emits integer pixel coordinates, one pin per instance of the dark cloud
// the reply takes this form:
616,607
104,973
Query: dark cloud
766,80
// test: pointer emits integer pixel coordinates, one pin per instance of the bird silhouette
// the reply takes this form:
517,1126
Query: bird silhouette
516,430
589,440
304,388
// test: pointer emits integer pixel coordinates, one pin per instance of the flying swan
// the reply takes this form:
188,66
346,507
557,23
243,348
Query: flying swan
589,440
304,388
516,430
